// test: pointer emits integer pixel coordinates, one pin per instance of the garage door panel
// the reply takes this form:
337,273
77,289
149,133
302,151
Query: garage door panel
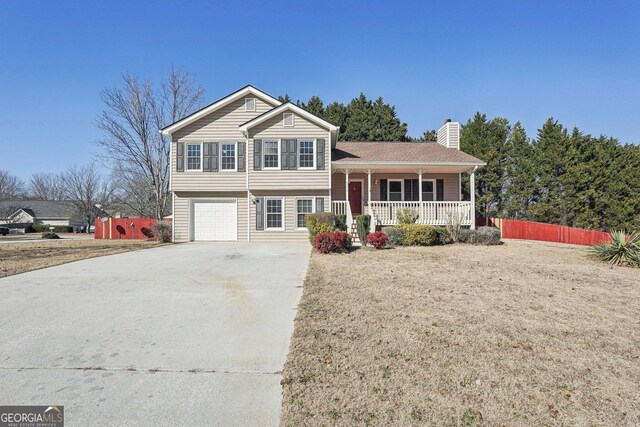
215,220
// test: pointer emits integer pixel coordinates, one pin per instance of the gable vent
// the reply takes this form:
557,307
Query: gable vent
287,119
250,104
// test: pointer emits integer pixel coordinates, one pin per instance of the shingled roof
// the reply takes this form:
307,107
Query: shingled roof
50,209
401,152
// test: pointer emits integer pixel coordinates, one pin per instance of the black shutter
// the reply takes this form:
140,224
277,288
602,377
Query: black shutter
284,155
319,204
440,190
320,153
180,157
257,154
214,156
206,156
293,154
260,213
383,190
242,157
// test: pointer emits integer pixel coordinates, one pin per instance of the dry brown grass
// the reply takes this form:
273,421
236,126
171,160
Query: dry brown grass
21,257
525,333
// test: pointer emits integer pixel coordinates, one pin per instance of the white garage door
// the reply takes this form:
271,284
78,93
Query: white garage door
215,220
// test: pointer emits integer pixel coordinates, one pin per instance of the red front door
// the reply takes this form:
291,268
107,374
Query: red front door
355,197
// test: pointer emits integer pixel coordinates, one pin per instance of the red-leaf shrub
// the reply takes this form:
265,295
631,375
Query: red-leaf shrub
337,241
378,239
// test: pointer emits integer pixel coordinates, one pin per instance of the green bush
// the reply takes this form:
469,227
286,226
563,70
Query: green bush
341,222
43,228
406,216
321,222
443,234
50,235
362,226
623,249
396,237
421,235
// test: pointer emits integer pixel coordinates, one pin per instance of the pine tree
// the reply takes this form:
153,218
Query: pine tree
519,174
336,114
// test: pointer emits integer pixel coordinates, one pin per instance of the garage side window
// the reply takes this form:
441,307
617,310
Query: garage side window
303,207
194,157
273,213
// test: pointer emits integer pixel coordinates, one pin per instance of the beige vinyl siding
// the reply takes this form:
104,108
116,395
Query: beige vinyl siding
220,125
289,179
451,184
290,232
181,215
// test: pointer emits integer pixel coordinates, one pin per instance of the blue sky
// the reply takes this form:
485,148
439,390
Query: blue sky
578,61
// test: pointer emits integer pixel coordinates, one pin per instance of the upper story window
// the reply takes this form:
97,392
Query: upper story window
249,104
306,153
287,119
271,150
194,157
228,156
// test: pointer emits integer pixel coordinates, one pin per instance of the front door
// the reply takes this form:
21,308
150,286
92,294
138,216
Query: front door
355,197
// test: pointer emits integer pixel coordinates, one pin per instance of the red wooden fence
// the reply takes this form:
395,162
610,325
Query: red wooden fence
124,228
528,230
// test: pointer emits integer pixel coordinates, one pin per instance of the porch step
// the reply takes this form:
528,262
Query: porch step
354,233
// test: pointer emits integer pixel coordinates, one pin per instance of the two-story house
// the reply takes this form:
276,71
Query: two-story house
249,168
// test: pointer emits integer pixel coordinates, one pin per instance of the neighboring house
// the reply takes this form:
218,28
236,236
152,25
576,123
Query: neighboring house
249,168
38,212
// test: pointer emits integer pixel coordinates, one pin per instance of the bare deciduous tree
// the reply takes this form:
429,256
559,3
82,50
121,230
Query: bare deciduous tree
10,186
133,147
46,186
87,190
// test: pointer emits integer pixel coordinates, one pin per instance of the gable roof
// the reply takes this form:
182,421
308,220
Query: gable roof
409,153
281,109
242,92
51,209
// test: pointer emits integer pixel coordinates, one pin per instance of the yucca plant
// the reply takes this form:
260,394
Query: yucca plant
623,249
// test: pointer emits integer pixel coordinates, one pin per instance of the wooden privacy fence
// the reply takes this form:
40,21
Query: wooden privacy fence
529,230
124,228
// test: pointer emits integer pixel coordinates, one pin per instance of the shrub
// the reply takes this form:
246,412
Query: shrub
482,235
378,240
420,235
406,216
50,235
321,222
44,228
395,235
162,231
337,241
341,222
623,249
454,225
362,226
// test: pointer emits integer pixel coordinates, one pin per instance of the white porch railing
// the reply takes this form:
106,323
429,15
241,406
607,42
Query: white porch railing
430,213
342,207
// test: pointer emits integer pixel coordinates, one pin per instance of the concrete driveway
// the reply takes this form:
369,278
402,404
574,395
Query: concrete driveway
190,334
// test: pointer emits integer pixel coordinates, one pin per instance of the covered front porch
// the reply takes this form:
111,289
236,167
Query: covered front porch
432,195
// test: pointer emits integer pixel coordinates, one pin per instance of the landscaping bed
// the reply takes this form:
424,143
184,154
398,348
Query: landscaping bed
20,257
525,333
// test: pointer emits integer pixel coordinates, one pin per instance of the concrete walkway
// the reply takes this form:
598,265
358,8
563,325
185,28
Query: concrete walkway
190,334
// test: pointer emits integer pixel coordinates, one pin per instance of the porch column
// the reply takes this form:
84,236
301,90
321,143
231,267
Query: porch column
421,218
346,183
472,181
369,173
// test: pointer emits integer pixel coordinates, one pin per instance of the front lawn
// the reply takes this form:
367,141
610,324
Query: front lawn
526,333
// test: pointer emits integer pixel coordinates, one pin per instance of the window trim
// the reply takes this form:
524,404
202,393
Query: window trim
293,120
435,189
235,162
389,181
313,210
186,157
254,104
314,143
282,214
264,154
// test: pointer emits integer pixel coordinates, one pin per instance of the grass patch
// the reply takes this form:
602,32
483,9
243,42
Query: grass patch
526,333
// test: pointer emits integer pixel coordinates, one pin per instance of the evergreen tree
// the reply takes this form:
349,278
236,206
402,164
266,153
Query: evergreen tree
519,174
284,99
314,106
336,114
